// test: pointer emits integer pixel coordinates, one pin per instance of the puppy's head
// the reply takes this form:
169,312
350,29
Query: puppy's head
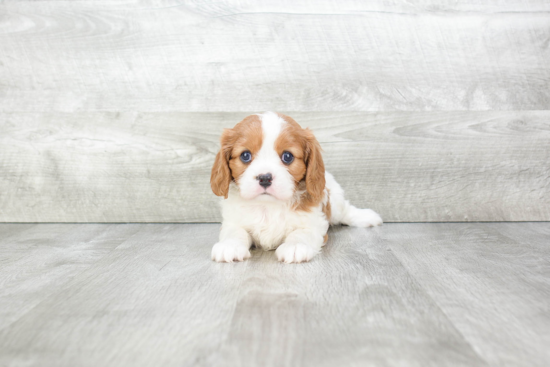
269,157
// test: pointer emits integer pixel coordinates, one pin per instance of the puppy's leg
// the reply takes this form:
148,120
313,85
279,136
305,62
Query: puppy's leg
234,244
300,245
342,212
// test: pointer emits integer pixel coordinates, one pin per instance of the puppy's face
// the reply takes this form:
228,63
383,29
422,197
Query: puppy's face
269,157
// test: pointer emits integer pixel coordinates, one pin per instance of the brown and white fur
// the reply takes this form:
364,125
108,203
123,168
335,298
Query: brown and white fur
289,212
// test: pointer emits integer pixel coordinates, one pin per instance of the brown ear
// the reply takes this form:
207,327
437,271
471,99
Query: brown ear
221,173
315,170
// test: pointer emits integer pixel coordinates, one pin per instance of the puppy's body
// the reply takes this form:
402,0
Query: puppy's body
273,203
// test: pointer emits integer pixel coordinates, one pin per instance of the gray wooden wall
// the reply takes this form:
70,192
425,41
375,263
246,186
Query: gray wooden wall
110,111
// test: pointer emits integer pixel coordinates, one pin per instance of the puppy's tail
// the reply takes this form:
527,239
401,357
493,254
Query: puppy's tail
342,212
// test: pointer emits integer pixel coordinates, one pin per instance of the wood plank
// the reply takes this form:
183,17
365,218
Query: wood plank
13,247
495,290
10,230
401,294
157,299
155,167
354,305
534,234
38,263
243,55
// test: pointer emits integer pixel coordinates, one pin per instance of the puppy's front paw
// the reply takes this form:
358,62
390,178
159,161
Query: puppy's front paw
295,252
365,218
229,251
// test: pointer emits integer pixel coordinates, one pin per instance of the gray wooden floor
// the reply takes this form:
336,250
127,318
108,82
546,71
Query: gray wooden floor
148,295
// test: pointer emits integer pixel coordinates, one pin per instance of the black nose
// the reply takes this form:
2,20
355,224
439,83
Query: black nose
265,180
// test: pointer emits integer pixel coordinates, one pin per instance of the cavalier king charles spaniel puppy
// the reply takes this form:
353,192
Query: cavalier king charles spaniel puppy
277,193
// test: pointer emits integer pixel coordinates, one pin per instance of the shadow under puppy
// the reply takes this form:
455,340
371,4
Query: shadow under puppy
277,194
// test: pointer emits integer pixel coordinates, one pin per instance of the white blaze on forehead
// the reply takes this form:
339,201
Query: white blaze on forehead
272,125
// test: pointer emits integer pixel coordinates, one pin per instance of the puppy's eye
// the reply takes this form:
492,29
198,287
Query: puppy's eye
246,156
287,157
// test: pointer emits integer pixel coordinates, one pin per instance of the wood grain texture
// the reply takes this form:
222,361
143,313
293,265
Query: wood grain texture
150,302
155,167
494,289
9,231
398,295
38,261
355,305
531,234
168,55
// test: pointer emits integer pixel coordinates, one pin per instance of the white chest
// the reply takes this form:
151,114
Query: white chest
269,223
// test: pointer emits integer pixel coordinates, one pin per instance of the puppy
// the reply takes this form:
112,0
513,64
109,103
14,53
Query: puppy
277,193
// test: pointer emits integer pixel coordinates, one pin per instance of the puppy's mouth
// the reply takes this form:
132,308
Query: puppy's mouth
266,196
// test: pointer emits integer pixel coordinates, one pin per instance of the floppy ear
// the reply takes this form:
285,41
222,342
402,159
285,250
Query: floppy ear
221,173
315,168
